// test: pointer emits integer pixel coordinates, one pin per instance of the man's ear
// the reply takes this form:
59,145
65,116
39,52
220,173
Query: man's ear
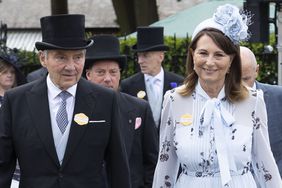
257,70
88,74
42,58
162,56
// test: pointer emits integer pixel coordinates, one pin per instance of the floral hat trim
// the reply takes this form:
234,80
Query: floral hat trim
230,21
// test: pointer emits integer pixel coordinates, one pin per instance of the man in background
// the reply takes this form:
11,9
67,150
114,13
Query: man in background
153,81
36,74
104,64
272,98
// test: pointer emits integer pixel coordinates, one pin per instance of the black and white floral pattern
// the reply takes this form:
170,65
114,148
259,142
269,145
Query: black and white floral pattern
197,154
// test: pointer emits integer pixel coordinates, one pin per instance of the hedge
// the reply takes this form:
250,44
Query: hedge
175,58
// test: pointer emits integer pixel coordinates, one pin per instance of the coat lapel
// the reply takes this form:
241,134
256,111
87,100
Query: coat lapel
38,103
264,89
166,83
83,104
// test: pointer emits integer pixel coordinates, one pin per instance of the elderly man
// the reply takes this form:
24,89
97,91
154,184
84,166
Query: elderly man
61,127
103,65
153,81
273,101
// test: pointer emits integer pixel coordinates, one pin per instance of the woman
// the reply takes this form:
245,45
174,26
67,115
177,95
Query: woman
213,127
10,75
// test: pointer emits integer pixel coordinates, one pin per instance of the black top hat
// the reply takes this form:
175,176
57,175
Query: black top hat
9,57
64,32
150,39
106,47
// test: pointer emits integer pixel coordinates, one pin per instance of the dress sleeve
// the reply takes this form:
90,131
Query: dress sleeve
265,169
167,165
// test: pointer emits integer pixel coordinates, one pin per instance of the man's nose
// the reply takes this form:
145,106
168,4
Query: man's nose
107,77
70,65
140,59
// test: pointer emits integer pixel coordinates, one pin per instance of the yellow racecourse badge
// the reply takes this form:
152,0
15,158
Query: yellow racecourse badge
186,119
141,94
81,119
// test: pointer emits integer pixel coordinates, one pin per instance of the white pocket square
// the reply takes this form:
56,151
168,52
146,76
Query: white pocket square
97,121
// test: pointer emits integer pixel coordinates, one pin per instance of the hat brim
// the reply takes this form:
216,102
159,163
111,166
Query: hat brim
160,47
120,59
49,46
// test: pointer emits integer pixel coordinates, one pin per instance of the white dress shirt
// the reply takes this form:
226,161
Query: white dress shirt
158,83
60,139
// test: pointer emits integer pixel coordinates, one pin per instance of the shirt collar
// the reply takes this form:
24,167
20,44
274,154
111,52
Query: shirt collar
159,76
254,86
54,91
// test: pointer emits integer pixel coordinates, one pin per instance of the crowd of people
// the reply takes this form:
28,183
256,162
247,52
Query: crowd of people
76,124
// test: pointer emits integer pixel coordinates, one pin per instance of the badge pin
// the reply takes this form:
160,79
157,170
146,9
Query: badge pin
186,119
81,119
141,94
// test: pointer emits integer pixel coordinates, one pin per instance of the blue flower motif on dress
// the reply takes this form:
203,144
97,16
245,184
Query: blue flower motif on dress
165,148
246,168
233,133
173,89
256,121
171,98
267,175
194,95
169,121
167,183
205,165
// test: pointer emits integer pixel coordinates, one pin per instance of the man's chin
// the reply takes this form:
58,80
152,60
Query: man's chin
107,86
144,71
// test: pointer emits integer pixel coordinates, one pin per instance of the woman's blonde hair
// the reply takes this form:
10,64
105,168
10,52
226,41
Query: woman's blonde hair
234,89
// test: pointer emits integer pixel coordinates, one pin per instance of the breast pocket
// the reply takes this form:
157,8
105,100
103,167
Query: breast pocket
98,134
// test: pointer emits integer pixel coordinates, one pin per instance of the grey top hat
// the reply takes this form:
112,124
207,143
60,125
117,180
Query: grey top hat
150,39
66,32
106,47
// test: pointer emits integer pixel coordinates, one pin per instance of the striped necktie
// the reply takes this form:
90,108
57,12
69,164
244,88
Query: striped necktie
62,115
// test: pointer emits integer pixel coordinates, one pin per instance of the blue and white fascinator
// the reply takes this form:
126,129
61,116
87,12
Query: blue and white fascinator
230,21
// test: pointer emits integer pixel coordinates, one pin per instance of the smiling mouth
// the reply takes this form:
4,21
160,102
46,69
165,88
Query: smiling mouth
209,70
68,75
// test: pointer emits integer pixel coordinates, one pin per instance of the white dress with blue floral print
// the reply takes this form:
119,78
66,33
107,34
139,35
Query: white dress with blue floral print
216,143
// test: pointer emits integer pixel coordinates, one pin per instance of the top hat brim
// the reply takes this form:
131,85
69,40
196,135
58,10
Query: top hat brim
49,46
160,47
121,59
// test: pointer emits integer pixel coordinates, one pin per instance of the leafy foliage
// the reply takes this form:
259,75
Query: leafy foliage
175,58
